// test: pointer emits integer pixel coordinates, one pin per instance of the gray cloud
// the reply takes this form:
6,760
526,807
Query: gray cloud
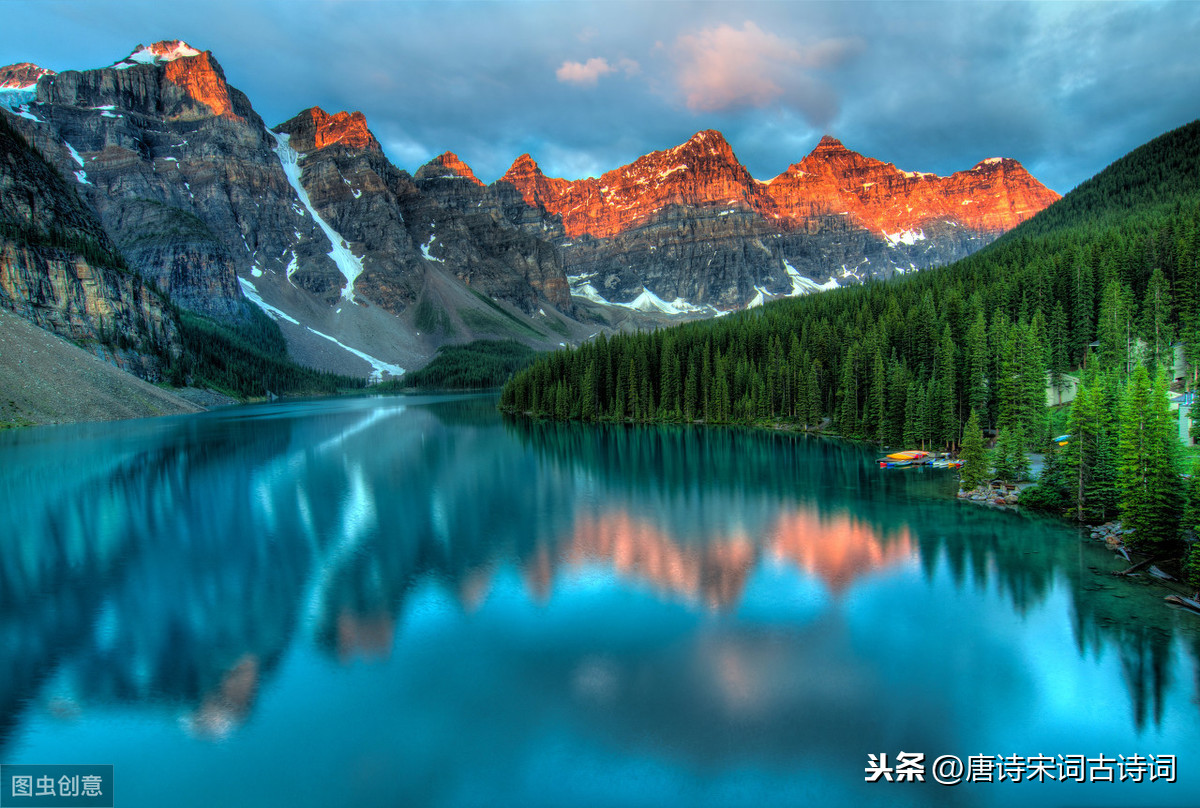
1065,88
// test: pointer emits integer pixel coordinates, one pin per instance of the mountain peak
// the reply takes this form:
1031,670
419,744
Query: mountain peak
447,164
168,50
523,166
992,163
314,129
830,152
22,76
706,141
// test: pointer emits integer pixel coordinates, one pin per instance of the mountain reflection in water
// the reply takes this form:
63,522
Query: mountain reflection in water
721,597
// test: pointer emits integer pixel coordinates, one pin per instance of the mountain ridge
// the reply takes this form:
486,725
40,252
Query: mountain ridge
311,222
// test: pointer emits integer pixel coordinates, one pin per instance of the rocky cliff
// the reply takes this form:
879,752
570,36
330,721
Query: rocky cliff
405,229
367,268
60,270
991,198
690,225
182,173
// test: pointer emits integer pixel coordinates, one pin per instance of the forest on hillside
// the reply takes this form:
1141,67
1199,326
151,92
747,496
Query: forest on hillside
1101,284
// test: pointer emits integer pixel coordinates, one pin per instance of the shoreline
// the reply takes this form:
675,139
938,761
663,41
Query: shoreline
1171,588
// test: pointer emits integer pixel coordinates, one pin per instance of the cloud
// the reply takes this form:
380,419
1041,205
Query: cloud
928,86
724,68
586,74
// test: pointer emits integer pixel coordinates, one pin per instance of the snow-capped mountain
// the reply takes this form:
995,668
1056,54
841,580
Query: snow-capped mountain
310,222
369,269
689,224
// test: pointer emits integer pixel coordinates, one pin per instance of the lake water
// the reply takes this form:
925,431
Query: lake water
415,602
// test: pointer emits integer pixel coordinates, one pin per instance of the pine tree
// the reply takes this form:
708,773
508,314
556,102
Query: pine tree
1031,375
813,418
1054,477
1059,358
942,416
1146,477
911,434
588,404
974,468
977,363
1115,327
1011,462
1155,325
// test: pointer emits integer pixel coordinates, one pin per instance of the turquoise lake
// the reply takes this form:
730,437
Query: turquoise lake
413,601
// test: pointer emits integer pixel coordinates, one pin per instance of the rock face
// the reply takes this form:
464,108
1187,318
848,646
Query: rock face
447,164
365,266
60,270
182,173
310,221
690,224
991,198
21,76
403,228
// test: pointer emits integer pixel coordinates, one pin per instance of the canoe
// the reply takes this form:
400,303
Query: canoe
910,456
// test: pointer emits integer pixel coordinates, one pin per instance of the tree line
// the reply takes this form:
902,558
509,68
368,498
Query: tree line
1103,286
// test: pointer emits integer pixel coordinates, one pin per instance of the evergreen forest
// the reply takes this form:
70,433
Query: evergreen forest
1099,292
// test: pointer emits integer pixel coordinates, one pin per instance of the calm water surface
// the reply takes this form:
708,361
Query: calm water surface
413,602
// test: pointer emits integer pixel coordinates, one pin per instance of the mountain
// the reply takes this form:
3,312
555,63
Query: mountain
310,223
22,76
177,166
692,226
410,227
367,269
60,270
1105,278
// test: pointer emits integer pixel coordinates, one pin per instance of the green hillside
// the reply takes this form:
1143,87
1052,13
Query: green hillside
904,362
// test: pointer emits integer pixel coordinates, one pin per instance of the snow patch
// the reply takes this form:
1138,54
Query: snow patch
251,294
145,56
17,100
81,178
425,250
647,301
357,193
74,154
589,292
909,237
347,262
803,286
379,367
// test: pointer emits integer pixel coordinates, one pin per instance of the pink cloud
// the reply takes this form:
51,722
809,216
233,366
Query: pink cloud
589,72
724,68
585,73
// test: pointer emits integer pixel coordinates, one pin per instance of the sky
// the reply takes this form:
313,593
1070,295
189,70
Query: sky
1066,88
